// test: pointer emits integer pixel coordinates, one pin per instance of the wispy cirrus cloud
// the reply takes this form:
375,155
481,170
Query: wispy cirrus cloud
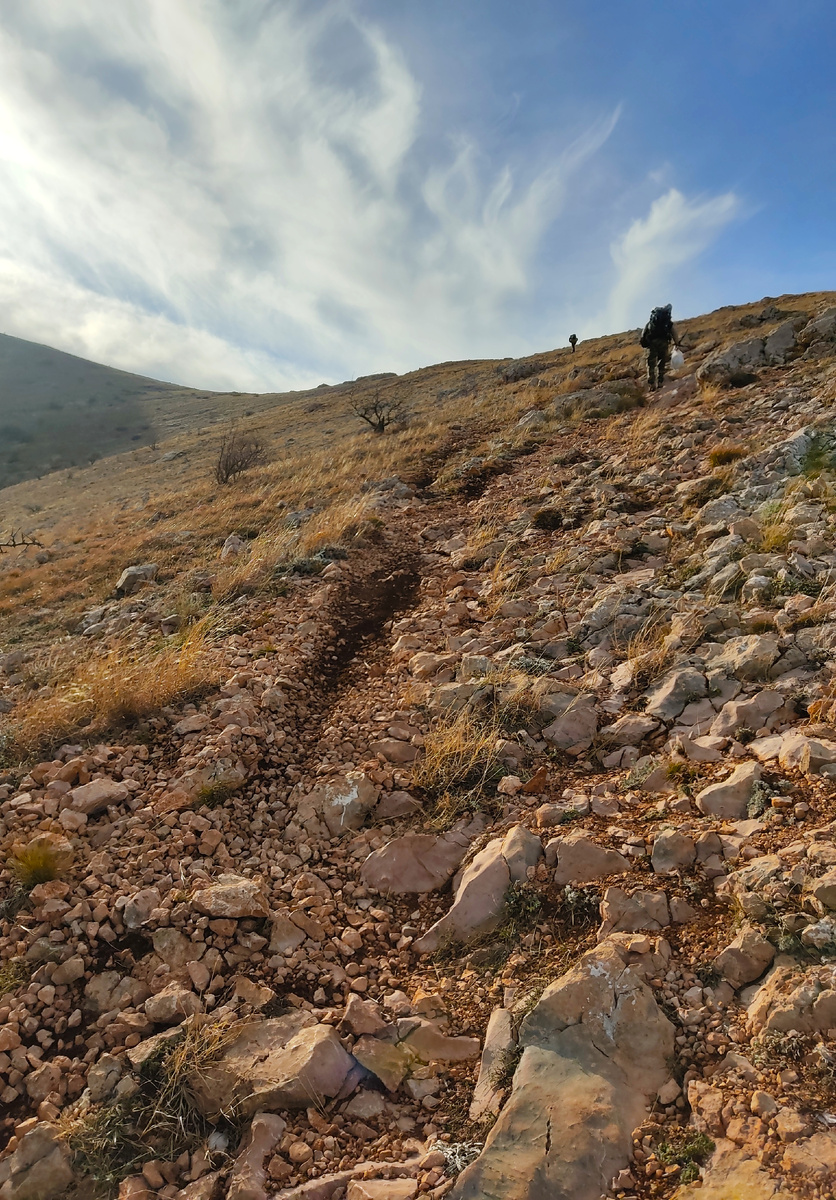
247,196
675,231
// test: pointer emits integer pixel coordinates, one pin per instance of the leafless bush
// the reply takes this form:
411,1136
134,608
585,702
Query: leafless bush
15,540
238,453
379,411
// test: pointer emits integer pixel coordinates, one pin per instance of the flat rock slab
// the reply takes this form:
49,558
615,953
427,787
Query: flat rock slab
419,862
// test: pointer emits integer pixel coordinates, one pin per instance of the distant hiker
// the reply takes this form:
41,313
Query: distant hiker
656,338
573,341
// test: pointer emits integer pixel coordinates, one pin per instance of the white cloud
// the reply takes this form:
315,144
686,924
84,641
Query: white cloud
246,196
675,231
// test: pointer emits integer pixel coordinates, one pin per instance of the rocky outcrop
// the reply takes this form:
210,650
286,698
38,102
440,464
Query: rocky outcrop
594,1051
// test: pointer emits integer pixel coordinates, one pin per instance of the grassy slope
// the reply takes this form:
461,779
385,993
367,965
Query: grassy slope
58,410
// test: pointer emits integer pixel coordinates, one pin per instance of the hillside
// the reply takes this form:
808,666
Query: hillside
58,410
442,813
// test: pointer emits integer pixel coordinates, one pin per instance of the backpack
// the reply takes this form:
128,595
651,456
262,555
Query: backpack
659,328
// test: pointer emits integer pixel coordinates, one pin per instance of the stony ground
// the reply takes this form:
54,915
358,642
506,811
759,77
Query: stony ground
503,862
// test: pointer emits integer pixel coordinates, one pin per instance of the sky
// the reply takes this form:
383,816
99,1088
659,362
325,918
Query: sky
269,194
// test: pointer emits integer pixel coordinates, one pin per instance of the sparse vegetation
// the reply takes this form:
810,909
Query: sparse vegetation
759,799
689,1151
522,905
114,690
213,795
238,452
460,755
14,972
110,1141
34,864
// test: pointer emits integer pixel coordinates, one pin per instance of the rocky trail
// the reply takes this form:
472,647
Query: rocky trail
502,863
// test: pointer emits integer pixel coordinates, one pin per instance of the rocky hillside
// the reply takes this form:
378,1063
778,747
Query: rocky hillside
491,852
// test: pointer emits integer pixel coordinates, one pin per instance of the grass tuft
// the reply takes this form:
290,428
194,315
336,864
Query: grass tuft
725,453
35,864
111,1141
14,973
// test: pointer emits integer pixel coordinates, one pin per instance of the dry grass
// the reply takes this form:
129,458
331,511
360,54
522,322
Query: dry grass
775,537
113,690
34,864
459,756
725,453
14,973
110,1141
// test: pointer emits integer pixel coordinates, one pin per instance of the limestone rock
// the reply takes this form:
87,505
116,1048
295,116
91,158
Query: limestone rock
746,958
425,1041
344,801
679,687
95,796
382,1189
788,1000
285,935
499,1044
478,903
805,754
729,798
672,851
732,1172
629,730
580,860
389,1061
249,1177
285,1062
824,889
420,862
139,907
362,1016
746,657
172,1005
622,912
574,730
39,1168
132,578
745,714
103,1076
595,1051
480,890
813,1158
232,896
735,364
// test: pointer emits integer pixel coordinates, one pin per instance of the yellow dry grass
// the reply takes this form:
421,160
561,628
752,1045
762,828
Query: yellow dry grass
108,691
459,755
725,453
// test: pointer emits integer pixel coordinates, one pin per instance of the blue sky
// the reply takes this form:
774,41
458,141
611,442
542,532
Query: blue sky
274,193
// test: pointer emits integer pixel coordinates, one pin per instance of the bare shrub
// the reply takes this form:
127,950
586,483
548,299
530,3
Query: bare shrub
238,452
379,411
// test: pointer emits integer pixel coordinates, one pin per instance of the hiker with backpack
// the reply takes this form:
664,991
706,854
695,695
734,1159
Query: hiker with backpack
573,341
656,339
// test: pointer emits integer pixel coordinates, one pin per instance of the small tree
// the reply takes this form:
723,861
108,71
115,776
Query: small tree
238,453
379,411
